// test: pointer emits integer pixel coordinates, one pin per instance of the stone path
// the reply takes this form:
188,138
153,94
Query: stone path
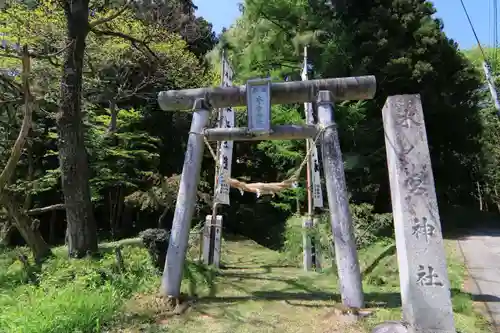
481,249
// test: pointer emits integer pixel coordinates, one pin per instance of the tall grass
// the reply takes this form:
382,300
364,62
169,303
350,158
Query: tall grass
70,296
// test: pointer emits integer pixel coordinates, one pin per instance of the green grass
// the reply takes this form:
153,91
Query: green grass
69,296
258,292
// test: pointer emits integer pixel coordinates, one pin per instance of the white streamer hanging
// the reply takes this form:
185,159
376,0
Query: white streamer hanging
317,191
226,120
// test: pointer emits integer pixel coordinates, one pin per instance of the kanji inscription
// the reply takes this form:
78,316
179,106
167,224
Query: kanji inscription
423,228
427,276
425,291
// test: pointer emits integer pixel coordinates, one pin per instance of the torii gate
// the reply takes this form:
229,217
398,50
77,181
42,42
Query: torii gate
324,92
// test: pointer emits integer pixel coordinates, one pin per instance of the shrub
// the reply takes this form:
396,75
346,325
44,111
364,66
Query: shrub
73,295
156,242
367,227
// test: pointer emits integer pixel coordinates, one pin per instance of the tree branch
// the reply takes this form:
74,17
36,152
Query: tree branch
5,230
110,17
32,54
8,171
260,10
37,211
134,41
10,83
31,170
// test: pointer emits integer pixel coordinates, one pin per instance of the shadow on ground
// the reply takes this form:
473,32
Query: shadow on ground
302,291
266,268
386,300
457,222
461,234
485,298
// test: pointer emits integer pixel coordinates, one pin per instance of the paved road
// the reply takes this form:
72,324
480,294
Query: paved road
481,249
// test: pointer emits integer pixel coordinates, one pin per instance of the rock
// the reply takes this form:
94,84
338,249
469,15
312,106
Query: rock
390,327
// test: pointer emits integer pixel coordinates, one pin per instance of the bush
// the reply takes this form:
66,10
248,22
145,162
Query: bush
72,295
156,242
367,227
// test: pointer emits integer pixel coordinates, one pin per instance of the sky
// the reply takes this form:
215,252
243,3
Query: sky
222,13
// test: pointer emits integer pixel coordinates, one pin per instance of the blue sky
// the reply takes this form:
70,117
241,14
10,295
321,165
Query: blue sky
221,13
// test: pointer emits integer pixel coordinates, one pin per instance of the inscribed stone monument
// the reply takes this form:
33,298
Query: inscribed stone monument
425,289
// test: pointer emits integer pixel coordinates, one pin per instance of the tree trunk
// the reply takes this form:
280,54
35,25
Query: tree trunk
15,211
6,232
114,117
497,199
52,227
382,202
22,221
479,196
82,231
28,200
115,209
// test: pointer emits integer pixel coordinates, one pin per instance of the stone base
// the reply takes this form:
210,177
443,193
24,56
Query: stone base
390,327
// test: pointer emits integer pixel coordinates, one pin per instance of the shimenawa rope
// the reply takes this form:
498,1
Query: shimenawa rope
267,188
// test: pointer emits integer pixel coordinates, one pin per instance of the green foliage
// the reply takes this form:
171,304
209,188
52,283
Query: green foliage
294,233
368,227
71,296
404,47
80,295
487,191
135,164
125,65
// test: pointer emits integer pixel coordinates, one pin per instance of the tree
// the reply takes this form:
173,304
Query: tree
488,186
16,211
81,230
405,48
129,143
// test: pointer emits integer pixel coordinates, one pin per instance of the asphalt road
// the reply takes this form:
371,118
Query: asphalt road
481,250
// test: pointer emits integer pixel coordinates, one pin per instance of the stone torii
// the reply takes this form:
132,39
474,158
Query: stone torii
324,92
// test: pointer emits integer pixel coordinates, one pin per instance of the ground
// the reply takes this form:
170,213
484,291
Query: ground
257,291
481,251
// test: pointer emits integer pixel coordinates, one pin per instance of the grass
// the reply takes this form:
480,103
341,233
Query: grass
68,296
258,291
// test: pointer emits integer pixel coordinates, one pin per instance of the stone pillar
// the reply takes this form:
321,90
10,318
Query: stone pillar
346,255
207,236
217,241
425,289
317,247
184,208
211,250
307,224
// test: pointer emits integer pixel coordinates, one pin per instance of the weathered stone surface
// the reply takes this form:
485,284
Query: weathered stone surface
306,244
390,327
278,132
346,255
217,241
184,207
425,288
212,231
343,88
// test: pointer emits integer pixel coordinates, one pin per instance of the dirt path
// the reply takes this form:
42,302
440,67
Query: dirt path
481,250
